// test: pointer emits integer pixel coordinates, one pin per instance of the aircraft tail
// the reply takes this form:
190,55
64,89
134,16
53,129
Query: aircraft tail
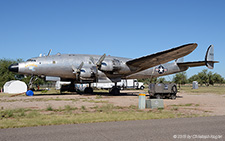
209,57
209,60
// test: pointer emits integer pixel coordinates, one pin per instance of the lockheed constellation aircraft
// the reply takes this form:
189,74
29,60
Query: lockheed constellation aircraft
80,68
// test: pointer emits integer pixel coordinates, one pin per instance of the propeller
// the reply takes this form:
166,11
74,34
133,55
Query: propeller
97,65
99,62
77,71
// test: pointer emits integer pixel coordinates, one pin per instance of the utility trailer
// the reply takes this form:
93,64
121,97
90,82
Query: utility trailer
161,90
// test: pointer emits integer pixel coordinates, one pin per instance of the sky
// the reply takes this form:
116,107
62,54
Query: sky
124,28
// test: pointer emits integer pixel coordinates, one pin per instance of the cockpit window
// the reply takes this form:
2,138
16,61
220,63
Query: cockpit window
31,60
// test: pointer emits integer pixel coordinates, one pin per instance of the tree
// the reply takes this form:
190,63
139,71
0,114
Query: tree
153,80
148,80
37,82
180,78
5,74
218,78
203,77
161,80
193,78
207,78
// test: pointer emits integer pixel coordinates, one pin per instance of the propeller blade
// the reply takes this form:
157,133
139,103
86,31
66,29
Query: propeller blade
99,63
77,70
92,60
81,65
49,52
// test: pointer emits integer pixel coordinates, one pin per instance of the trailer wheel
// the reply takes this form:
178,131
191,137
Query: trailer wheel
173,96
158,96
174,90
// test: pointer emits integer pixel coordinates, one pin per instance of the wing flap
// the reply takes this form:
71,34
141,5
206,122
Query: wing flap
161,57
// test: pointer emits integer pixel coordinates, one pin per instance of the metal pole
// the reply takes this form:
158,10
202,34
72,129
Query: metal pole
142,100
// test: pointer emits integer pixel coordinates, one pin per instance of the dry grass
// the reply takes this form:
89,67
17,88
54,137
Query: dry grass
12,118
72,115
218,89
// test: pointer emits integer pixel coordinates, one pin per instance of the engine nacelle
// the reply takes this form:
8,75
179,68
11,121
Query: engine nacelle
86,73
107,66
113,65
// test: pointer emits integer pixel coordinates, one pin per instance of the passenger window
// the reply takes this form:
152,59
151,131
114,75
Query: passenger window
31,60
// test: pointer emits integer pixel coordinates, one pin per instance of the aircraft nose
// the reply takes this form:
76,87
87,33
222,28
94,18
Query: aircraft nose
14,67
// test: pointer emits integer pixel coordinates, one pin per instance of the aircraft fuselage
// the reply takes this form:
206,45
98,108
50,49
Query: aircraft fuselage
112,68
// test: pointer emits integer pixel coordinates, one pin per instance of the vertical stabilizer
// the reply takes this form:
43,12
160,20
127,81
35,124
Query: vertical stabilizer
209,57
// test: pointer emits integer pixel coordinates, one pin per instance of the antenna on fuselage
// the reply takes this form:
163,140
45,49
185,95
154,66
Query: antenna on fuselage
49,52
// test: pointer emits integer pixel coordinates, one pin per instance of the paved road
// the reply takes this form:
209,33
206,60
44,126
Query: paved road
159,129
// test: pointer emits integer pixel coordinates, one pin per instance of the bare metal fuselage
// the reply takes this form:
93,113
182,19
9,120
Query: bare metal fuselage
61,66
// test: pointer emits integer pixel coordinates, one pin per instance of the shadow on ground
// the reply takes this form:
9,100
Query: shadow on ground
85,94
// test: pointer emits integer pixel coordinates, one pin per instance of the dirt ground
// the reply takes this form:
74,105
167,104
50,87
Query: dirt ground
202,104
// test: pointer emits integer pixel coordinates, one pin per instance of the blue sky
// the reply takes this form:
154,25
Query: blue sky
125,28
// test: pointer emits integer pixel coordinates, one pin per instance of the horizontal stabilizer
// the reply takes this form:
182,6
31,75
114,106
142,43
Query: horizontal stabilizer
162,57
209,60
191,64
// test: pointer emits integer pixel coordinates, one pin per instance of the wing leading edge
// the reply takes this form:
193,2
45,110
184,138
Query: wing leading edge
152,60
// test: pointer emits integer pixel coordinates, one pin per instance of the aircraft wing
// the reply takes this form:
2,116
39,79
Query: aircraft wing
152,60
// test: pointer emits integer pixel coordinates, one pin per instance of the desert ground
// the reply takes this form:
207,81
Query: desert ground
190,103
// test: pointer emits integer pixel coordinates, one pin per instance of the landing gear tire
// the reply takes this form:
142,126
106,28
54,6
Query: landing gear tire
88,90
114,91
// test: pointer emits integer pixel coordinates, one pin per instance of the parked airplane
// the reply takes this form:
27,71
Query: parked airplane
79,68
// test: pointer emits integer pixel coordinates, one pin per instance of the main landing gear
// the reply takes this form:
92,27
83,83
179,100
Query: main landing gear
69,88
88,90
115,90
